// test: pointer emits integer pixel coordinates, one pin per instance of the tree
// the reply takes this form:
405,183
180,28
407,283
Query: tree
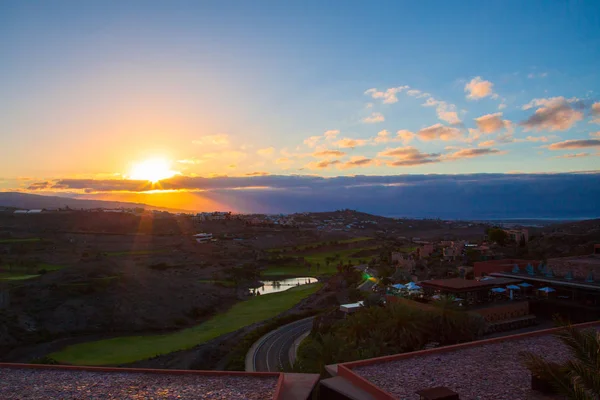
577,378
498,235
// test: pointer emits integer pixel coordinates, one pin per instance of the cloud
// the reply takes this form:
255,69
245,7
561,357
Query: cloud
217,140
596,112
573,155
358,161
439,131
479,88
329,153
331,134
408,156
540,75
537,139
595,134
575,144
325,164
487,143
257,174
389,96
40,185
470,153
312,141
553,114
374,118
347,143
501,106
505,138
491,123
405,136
266,152
445,111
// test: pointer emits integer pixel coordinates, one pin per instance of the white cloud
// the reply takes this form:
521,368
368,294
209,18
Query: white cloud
478,88
445,111
389,96
374,118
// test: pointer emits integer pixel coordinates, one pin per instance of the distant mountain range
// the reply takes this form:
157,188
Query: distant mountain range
35,201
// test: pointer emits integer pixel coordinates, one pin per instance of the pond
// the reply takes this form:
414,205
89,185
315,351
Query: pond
282,285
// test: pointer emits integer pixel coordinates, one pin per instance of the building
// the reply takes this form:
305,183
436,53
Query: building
203,237
54,382
425,250
351,307
518,235
484,369
482,268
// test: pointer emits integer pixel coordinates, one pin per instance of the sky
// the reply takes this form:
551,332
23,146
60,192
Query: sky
96,94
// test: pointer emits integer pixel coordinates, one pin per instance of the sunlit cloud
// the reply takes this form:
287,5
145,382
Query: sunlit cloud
383,136
472,152
328,153
537,138
439,131
491,123
191,161
553,114
374,118
358,161
257,173
596,113
347,143
487,143
405,136
388,96
575,144
217,140
573,155
331,134
266,152
445,111
408,156
312,141
325,164
478,88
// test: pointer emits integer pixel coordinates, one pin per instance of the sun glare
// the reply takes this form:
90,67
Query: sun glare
152,170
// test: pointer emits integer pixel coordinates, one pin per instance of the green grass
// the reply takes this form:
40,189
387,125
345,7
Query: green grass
307,246
134,252
17,273
294,269
27,240
128,349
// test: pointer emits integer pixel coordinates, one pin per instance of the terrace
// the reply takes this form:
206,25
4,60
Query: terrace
21,381
486,369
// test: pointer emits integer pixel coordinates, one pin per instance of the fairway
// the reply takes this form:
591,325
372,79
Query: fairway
128,349
28,240
17,273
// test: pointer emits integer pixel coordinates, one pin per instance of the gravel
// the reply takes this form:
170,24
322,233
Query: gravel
486,372
23,383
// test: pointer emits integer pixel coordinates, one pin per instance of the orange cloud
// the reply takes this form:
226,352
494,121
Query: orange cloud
325,164
329,153
347,143
439,131
575,144
479,88
470,153
268,151
445,111
408,156
358,161
596,112
491,123
553,114
487,143
331,134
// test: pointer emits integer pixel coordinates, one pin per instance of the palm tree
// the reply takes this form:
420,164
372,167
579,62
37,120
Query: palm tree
578,378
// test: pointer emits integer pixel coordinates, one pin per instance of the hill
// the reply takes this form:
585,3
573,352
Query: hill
35,201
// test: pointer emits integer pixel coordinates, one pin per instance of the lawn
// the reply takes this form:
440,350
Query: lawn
128,349
27,240
17,273
306,246
134,252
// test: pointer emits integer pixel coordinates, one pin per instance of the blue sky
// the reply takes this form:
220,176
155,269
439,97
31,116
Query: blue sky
237,87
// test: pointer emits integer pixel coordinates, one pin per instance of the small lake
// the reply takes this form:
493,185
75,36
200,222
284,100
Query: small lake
282,285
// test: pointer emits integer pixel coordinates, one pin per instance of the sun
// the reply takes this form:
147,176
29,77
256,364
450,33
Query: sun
153,170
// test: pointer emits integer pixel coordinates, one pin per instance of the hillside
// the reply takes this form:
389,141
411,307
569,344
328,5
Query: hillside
34,201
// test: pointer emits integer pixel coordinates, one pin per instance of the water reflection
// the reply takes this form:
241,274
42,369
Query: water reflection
281,285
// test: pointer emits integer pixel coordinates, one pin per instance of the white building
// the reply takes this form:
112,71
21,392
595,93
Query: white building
203,237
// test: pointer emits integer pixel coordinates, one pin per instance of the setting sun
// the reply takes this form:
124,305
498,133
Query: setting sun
152,170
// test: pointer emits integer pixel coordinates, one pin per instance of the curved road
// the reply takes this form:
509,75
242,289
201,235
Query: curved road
271,352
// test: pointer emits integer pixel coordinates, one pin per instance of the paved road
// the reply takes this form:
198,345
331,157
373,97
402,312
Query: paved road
367,285
271,352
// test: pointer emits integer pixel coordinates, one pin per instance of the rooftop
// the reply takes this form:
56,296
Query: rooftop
486,369
45,382
468,284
